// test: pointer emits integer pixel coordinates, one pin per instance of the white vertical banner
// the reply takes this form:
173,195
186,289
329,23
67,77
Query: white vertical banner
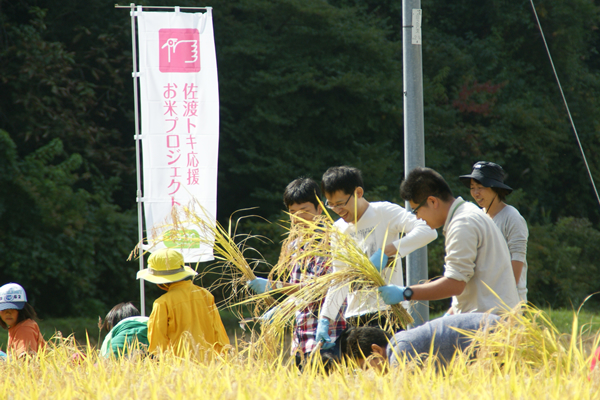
179,100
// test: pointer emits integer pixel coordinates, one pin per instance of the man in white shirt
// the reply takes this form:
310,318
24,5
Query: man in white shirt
369,224
478,272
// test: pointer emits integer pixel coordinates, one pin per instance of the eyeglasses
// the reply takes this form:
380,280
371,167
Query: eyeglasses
421,204
338,205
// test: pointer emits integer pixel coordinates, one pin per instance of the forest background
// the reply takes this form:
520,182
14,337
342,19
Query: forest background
304,85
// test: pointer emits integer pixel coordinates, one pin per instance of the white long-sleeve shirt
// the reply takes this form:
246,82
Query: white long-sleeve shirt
476,253
514,229
369,233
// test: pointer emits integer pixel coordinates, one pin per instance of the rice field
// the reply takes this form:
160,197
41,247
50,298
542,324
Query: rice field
525,358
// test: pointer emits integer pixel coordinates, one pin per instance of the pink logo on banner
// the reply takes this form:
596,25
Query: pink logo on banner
179,50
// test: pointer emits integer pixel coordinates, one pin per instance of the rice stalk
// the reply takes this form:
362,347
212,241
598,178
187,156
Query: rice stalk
229,248
526,337
308,240
247,371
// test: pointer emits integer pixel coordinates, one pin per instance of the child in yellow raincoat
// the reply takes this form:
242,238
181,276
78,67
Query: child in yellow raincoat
185,317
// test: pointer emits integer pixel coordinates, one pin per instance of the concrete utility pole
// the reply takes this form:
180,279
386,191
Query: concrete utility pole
414,142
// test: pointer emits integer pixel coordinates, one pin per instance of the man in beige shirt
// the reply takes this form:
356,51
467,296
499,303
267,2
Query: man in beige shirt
478,273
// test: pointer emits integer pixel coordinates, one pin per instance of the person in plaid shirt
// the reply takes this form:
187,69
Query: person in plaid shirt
307,319
301,199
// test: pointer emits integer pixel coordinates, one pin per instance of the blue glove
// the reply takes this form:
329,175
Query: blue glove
391,294
323,334
259,285
379,260
267,317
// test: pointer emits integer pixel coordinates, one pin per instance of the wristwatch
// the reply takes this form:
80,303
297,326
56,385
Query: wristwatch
408,293
278,285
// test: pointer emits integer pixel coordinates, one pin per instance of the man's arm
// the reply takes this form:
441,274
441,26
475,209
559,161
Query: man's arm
416,234
262,285
461,252
517,267
390,250
439,289
329,310
333,302
436,290
516,240
334,299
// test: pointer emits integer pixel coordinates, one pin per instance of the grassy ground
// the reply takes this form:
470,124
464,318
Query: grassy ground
589,325
80,326
589,322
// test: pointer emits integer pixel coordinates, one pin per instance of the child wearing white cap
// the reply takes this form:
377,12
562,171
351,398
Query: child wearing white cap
185,312
18,316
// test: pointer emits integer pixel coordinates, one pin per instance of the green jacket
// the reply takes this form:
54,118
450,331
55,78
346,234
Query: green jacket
132,331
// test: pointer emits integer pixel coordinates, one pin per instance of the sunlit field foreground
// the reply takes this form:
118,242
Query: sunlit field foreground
524,358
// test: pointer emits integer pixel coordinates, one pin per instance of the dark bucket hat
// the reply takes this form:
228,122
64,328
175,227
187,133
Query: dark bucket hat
488,174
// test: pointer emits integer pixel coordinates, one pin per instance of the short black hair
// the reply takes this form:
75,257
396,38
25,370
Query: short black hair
27,312
301,190
422,183
356,341
118,313
501,192
343,178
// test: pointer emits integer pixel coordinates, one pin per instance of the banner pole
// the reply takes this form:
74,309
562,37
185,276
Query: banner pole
135,76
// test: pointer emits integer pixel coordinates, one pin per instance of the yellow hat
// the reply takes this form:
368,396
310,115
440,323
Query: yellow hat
165,266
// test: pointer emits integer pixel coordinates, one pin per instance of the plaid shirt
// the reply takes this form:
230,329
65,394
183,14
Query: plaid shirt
307,319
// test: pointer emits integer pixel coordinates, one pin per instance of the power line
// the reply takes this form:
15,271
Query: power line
565,101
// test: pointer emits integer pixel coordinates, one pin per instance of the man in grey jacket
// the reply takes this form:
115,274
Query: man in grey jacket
477,272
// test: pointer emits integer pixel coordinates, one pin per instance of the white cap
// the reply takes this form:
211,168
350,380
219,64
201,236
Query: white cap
12,296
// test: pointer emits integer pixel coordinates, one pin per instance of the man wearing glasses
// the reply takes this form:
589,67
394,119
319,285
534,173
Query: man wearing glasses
478,272
369,224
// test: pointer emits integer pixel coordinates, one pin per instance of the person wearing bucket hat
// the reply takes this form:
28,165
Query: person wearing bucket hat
488,189
18,316
166,266
184,316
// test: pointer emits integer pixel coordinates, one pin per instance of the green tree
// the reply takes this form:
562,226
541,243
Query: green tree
563,268
64,237
304,85
490,94
66,246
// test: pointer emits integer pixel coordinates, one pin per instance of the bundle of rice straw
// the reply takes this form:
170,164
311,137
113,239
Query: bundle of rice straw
320,238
